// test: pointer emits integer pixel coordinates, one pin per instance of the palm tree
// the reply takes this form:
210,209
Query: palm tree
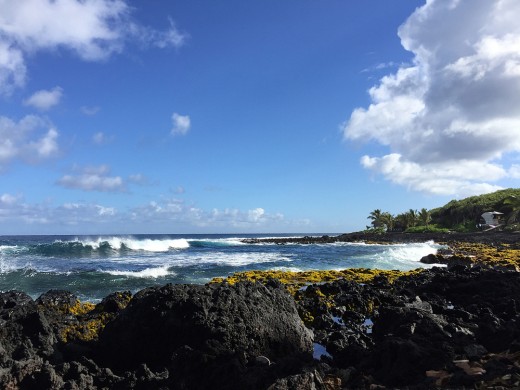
411,218
425,217
388,220
375,216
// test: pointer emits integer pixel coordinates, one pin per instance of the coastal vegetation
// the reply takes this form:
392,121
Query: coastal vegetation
457,215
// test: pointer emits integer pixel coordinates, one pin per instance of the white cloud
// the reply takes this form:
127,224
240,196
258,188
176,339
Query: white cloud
256,215
451,117
32,139
90,111
140,179
163,215
92,29
181,124
12,68
171,37
93,179
441,178
45,99
76,215
168,211
8,199
101,138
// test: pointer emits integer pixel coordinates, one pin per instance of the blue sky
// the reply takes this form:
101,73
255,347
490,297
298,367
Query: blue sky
261,116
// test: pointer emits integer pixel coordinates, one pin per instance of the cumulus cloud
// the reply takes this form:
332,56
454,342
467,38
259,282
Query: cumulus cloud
45,99
93,179
450,118
181,124
32,139
92,29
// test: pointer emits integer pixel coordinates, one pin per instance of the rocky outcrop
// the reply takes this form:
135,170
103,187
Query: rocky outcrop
439,328
176,336
219,333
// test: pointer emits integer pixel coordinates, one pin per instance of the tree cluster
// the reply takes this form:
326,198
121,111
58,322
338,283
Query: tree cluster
461,215
400,222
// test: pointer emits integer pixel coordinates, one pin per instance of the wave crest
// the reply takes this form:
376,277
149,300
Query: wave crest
152,273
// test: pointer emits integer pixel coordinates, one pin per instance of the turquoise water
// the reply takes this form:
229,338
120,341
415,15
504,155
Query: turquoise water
94,266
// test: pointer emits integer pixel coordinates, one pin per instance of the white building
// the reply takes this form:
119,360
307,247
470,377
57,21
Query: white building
492,218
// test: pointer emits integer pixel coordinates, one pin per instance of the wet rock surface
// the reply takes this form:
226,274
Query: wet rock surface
440,328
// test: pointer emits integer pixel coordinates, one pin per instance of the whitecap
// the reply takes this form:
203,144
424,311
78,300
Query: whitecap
153,273
230,259
147,245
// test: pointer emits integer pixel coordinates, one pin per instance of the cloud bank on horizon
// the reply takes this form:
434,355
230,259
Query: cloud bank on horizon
452,119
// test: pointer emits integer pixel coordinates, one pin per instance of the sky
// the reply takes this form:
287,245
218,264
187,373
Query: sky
202,116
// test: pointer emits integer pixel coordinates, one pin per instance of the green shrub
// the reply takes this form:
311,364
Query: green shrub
426,229
512,228
377,230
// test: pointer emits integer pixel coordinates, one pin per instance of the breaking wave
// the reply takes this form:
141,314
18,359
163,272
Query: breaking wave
155,272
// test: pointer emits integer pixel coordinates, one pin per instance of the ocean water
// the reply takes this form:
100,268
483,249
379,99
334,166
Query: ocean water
94,266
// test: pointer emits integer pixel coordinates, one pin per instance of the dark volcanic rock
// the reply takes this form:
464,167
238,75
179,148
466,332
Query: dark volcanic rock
451,328
441,322
246,318
211,334
177,336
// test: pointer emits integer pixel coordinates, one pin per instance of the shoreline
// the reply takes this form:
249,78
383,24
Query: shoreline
451,327
399,237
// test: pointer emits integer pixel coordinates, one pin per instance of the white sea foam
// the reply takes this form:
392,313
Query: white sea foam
230,241
405,256
147,245
287,269
229,259
11,249
155,272
411,252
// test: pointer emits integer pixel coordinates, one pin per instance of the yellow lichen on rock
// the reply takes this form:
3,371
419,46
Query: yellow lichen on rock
87,329
80,308
295,280
498,255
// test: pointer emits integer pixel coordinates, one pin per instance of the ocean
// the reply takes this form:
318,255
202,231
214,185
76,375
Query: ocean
94,266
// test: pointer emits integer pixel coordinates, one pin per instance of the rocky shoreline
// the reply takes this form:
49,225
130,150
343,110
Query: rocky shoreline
456,327
490,237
